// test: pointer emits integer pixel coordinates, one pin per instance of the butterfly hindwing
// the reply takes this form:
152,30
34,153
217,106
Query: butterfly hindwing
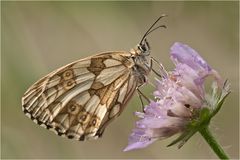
81,98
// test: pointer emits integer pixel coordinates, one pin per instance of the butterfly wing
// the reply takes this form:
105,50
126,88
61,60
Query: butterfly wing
81,98
120,100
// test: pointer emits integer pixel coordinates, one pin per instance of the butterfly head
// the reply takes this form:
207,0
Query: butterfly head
143,48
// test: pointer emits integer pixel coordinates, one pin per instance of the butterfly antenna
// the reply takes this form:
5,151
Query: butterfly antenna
150,30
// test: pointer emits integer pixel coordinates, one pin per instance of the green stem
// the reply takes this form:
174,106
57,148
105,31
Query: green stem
205,132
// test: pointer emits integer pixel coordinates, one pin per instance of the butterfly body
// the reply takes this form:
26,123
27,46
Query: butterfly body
80,99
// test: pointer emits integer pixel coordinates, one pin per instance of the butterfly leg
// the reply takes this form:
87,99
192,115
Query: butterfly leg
141,96
162,73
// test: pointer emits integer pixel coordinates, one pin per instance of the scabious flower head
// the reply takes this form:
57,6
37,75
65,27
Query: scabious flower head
180,96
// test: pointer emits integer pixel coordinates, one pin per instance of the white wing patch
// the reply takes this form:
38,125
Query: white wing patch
91,104
82,98
122,93
112,62
101,111
109,75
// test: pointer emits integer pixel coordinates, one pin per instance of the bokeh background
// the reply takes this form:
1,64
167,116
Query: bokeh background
38,37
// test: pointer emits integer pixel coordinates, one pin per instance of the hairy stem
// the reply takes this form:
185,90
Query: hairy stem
207,135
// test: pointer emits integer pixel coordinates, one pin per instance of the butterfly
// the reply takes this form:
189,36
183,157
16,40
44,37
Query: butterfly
80,99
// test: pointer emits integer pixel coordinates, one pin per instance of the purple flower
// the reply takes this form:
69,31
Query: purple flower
180,95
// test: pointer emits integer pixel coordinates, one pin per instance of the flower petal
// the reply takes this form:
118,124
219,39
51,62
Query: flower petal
182,53
138,145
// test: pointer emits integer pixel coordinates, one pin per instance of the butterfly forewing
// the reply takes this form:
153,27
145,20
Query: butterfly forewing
81,98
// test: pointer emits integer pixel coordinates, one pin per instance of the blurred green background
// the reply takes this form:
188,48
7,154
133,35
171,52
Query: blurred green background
38,37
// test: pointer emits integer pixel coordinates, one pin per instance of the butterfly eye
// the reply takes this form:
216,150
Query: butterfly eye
144,49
